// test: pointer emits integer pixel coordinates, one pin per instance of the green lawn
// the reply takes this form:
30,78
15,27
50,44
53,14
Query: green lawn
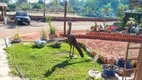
49,63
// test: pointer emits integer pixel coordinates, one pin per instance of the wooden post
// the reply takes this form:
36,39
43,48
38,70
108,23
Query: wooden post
4,11
139,70
44,12
65,13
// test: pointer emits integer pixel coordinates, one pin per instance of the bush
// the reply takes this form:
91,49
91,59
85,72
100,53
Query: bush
12,6
17,35
131,22
37,6
43,35
141,25
48,19
52,28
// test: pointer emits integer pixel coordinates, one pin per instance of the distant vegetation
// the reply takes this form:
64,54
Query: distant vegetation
90,8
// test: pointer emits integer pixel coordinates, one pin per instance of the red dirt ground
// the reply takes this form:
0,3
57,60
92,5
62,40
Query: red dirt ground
105,47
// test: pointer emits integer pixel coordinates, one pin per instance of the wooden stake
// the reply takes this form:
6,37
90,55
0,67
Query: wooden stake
65,13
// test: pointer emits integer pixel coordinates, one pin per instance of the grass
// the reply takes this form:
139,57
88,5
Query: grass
49,63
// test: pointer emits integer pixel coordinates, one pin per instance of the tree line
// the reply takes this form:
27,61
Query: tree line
89,8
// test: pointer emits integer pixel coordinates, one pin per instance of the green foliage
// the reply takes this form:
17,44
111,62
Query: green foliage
107,9
37,6
56,2
5,1
120,10
140,20
48,18
93,28
138,9
140,24
43,35
24,6
40,2
90,8
49,63
131,22
17,35
102,8
22,1
55,7
12,6
52,28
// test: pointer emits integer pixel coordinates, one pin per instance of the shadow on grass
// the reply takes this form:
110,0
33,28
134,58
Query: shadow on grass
62,65
35,47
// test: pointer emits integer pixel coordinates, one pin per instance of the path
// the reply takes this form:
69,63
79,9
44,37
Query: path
4,67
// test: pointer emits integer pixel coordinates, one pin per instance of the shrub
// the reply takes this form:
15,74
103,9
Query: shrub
48,19
131,22
17,35
140,24
43,35
52,28
37,6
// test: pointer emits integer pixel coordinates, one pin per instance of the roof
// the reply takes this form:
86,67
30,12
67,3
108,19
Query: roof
3,5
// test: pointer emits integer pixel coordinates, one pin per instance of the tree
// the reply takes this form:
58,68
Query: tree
26,6
103,12
107,9
22,1
120,10
12,6
37,6
90,8
23,6
5,1
54,7
40,2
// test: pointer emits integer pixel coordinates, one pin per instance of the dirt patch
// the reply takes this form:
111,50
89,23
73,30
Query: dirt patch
110,48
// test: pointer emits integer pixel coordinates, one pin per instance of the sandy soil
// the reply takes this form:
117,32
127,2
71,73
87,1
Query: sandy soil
37,26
